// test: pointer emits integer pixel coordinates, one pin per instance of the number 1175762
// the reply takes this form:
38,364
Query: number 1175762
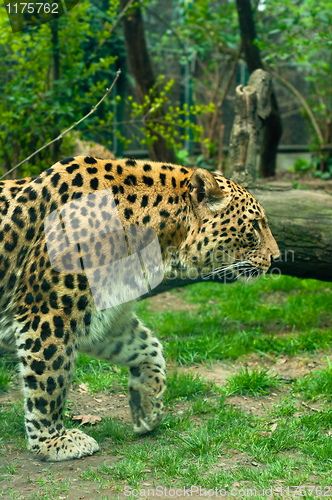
32,8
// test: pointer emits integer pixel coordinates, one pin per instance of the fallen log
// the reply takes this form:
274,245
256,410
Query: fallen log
301,222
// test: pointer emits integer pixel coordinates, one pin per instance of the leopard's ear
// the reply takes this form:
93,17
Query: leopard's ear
205,192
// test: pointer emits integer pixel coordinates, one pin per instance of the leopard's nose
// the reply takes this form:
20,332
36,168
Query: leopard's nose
274,251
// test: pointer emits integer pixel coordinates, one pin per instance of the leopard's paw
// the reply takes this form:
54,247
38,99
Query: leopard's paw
146,410
73,444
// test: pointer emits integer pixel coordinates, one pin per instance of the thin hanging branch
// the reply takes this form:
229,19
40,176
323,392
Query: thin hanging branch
302,101
66,131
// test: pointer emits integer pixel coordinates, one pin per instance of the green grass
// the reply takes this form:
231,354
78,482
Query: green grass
316,384
285,408
7,365
287,442
185,385
12,425
284,316
99,375
5,377
298,447
255,382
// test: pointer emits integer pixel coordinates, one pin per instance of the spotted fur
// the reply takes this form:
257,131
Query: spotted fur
204,223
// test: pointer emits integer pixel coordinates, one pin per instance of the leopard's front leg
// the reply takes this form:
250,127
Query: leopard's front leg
136,347
48,352
147,382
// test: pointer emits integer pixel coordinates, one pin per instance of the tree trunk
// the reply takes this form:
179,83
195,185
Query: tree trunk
273,129
140,63
271,136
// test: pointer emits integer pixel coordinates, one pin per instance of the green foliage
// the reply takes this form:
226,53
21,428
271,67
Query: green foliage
182,157
42,95
302,165
327,174
300,34
158,116
203,38
39,97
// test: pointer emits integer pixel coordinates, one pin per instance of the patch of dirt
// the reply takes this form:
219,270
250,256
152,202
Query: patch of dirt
287,370
102,405
82,403
166,301
61,480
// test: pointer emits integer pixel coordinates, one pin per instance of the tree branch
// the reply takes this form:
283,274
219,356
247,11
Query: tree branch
302,101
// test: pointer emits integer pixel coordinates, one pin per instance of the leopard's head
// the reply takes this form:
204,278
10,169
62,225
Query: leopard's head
229,234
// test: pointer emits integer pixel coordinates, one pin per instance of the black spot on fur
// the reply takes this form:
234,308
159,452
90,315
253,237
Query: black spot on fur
132,198
131,162
73,167
90,160
147,180
78,180
128,213
92,170
94,183
158,200
67,160
50,351
38,367
131,180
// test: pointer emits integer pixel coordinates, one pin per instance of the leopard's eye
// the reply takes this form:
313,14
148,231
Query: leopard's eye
255,225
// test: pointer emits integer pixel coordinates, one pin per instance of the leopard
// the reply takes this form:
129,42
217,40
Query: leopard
73,237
